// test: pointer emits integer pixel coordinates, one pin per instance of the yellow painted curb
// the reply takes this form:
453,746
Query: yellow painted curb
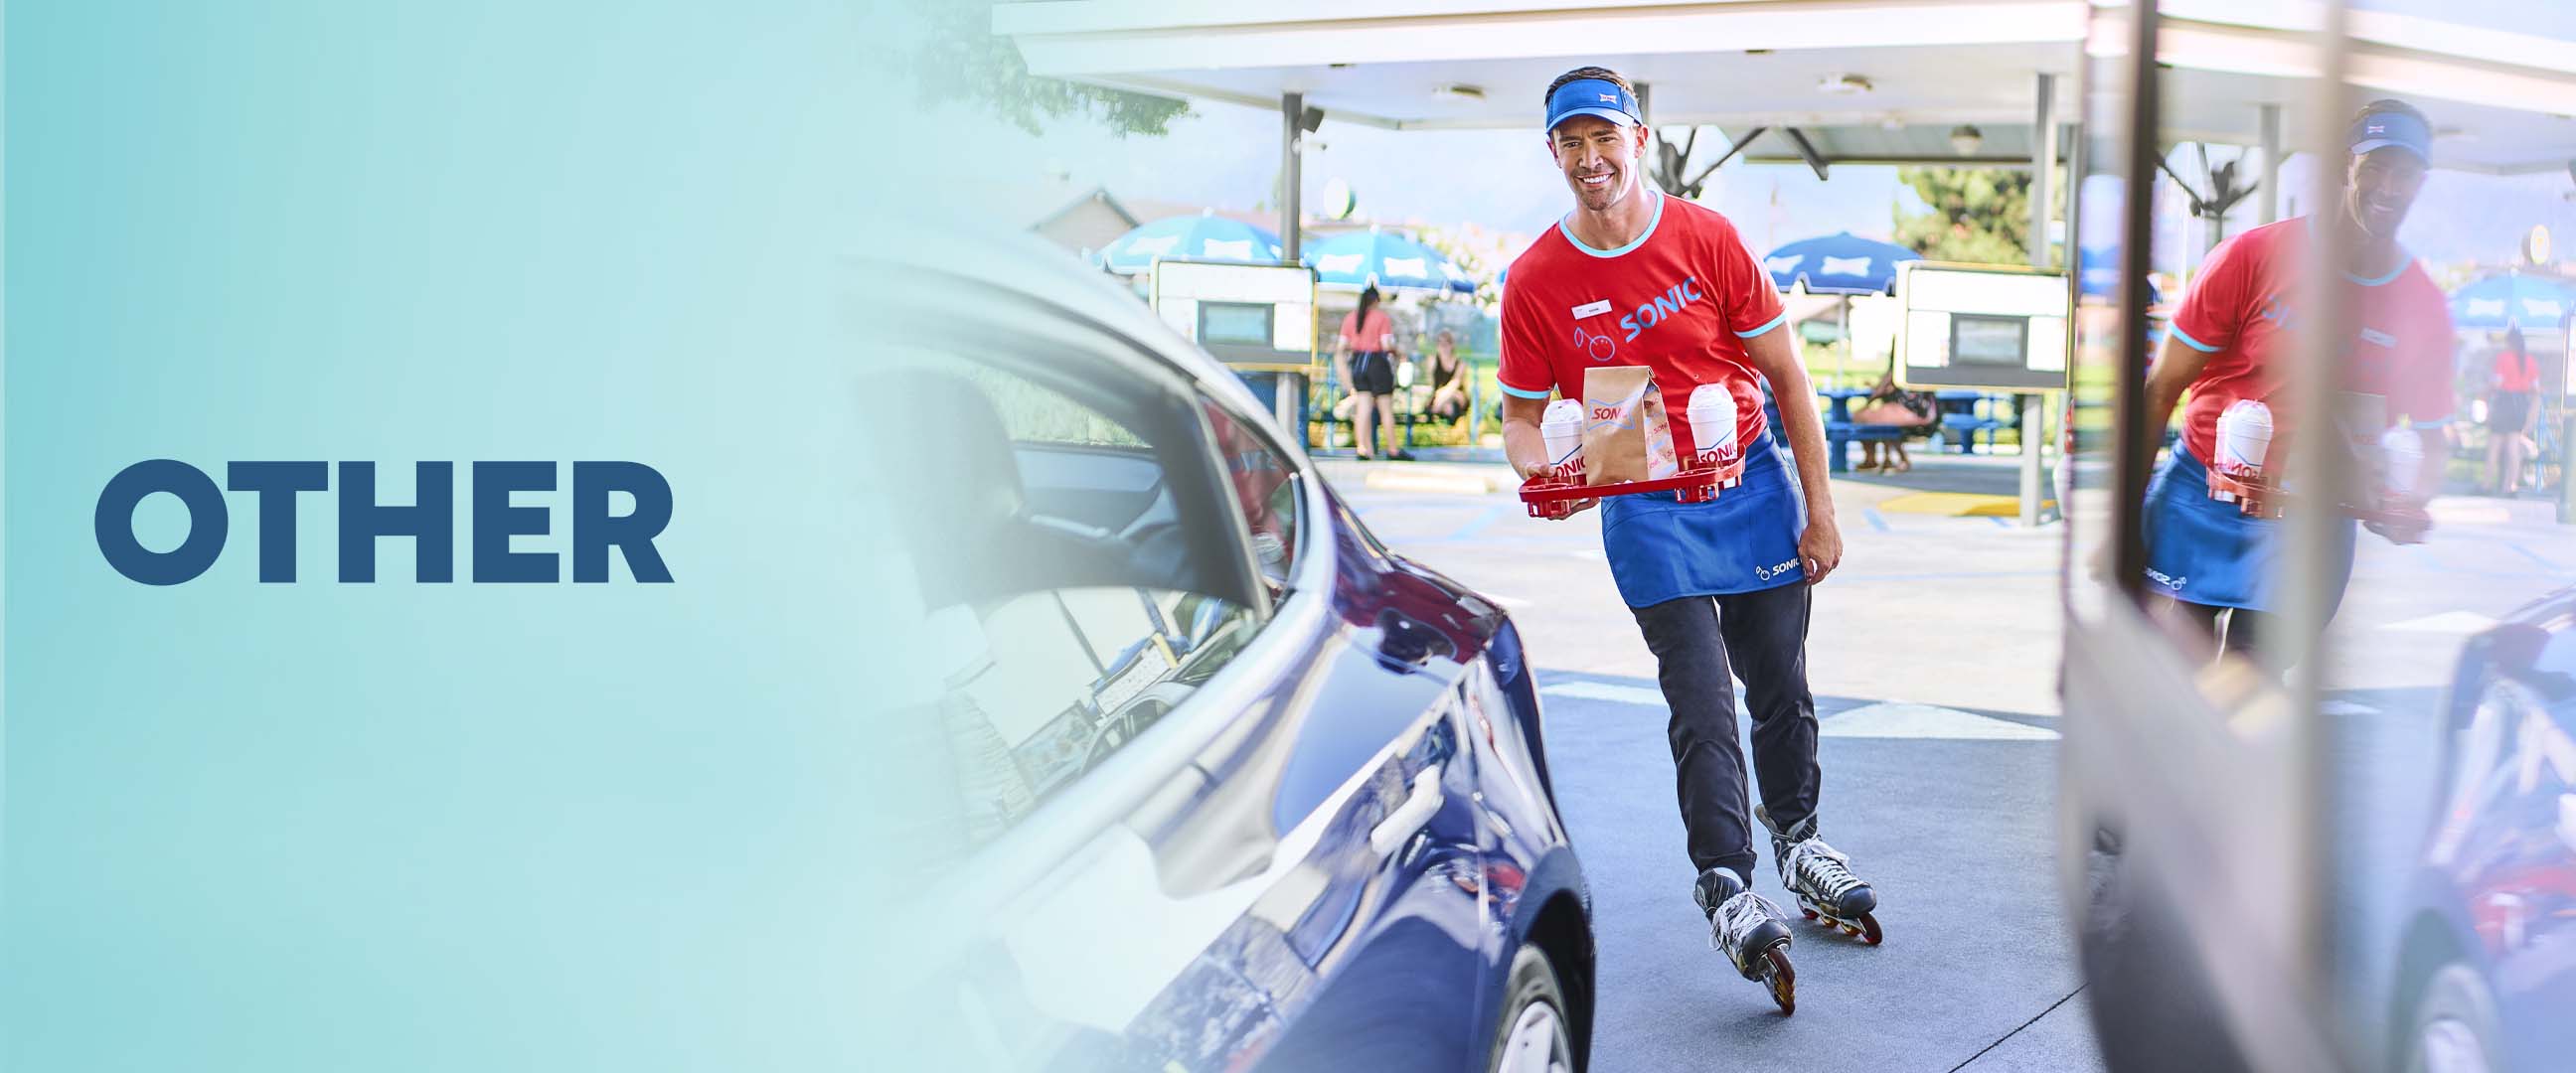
1958,504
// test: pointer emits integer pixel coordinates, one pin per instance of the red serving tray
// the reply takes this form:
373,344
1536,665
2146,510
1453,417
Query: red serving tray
1552,495
2402,524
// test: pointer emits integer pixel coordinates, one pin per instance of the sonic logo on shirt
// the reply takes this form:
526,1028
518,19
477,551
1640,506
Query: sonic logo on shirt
2277,310
1672,301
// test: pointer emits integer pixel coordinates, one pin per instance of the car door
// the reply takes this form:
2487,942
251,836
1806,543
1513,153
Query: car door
1192,794
2507,840
1380,927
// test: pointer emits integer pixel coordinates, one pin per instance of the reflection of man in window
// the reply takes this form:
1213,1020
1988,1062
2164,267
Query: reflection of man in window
1260,481
2233,339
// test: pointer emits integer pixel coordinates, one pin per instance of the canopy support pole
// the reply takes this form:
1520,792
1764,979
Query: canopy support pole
1289,390
2271,123
1292,171
2043,173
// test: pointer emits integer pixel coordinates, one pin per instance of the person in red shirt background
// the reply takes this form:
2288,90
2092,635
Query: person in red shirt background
2231,340
1365,356
2510,410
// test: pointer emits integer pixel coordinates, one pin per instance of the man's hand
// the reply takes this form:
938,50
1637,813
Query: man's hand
1820,548
1526,447
2410,521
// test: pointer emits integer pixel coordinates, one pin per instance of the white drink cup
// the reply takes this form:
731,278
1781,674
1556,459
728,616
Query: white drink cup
1562,428
2244,437
2402,451
1712,419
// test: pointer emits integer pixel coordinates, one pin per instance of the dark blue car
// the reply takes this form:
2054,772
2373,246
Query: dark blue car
2487,977
1230,785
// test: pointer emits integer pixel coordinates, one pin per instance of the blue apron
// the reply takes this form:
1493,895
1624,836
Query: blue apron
1661,548
2203,551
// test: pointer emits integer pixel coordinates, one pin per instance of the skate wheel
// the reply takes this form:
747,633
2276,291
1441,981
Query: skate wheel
1810,913
1869,932
1781,978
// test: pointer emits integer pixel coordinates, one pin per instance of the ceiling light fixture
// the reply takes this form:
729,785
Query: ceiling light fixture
1965,139
1842,85
1461,91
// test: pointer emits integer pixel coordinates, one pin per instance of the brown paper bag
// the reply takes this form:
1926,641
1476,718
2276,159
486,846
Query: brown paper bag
1625,437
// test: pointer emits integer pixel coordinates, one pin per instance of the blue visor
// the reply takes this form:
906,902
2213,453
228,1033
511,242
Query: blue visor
2380,130
1592,97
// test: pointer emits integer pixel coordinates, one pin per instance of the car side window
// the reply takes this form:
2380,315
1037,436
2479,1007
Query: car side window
1075,641
1265,486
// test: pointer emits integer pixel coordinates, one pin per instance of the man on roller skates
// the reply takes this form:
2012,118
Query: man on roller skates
1634,277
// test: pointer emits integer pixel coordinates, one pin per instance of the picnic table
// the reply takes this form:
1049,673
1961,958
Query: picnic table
1841,431
1964,415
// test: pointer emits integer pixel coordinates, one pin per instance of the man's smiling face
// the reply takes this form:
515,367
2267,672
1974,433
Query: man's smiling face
2380,188
1598,157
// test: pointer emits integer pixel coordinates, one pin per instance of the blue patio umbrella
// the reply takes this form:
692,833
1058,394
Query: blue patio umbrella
1385,258
1205,237
1841,263
2492,303
2098,276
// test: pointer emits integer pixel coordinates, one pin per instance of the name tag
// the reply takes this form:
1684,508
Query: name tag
2372,335
1592,310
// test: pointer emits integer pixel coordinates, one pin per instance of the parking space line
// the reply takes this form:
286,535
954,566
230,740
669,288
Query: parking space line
1653,698
1478,524
1896,719
2534,556
2461,622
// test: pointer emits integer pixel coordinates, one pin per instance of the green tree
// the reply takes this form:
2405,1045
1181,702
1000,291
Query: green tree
961,52
1488,294
1978,215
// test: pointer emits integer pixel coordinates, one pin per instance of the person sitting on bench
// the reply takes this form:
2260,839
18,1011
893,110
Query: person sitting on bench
1891,405
1448,387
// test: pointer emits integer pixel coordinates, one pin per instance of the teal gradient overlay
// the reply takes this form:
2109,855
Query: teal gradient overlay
466,826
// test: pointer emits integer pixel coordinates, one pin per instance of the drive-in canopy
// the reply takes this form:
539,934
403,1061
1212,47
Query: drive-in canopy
1860,81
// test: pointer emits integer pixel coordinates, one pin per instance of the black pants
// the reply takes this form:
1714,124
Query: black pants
1762,636
2237,633
2262,636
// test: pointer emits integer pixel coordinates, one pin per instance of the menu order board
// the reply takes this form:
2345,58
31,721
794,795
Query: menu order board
1991,327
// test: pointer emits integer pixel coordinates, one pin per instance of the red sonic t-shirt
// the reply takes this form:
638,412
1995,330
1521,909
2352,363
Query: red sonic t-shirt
1680,300
2244,312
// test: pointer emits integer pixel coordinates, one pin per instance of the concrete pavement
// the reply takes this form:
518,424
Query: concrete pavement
1933,655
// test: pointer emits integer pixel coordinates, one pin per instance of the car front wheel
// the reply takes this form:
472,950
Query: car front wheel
1532,1037
2454,1025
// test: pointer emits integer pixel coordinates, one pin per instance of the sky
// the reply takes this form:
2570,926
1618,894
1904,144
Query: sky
1228,156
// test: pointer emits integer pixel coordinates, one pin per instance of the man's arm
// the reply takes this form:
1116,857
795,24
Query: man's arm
1525,445
1522,442
2174,371
1821,546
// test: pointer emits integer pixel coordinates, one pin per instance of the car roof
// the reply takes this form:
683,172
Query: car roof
936,254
